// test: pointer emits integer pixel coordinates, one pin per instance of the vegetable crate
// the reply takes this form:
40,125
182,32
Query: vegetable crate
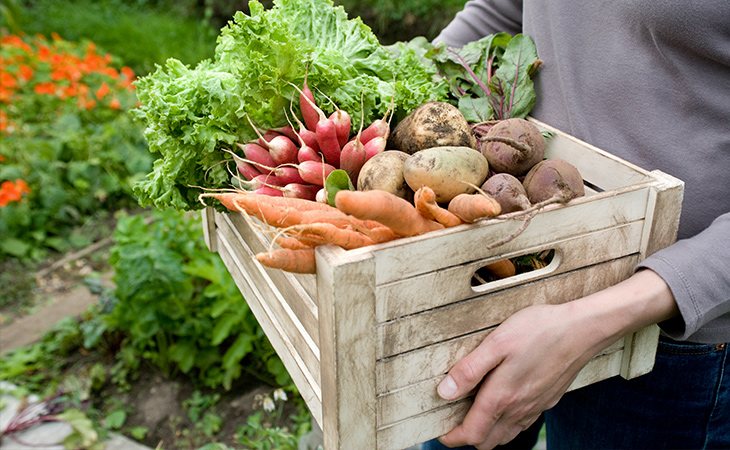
367,339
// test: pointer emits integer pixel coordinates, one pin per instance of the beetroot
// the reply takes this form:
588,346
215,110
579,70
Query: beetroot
553,179
513,146
508,191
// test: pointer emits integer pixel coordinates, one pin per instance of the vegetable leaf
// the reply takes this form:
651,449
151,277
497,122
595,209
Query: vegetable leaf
336,181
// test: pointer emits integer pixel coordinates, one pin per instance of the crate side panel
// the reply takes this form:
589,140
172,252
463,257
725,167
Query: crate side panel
420,330
304,377
421,397
290,285
455,246
436,422
435,360
347,318
452,284
251,231
596,166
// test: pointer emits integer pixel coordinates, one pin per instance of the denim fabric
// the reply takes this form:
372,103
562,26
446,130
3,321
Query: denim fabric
524,441
683,403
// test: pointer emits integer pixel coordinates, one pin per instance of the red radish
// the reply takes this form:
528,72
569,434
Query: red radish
288,174
343,125
352,158
288,131
300,190
268,190
326,131
309,109
257,154
247,170
374,146
307,153
321,196
268,135
315,172
378,128
281,148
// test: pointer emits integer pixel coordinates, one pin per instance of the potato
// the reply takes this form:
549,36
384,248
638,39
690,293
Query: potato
433,124
448,171
384,172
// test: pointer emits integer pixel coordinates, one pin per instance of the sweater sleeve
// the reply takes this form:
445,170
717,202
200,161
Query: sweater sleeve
697,271
480,18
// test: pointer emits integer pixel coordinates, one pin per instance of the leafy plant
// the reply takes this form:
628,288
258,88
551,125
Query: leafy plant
69,149
180,309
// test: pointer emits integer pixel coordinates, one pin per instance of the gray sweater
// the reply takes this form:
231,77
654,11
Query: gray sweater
648,81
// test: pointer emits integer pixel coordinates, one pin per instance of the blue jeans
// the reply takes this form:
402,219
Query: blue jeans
683,403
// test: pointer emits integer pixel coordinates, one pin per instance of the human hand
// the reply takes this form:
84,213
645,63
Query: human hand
525,370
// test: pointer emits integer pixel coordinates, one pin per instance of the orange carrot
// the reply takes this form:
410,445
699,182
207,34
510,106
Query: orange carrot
326,233
289,242
425,201
386,208
504,268
290,260
472,207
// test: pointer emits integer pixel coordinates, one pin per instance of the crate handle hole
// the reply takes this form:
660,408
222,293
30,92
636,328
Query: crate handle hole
527,267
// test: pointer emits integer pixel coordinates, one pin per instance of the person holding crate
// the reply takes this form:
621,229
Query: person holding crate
650,83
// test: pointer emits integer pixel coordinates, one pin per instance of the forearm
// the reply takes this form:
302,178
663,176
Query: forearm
607,315
480,18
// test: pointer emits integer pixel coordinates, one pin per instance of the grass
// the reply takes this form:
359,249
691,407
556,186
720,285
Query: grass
140,35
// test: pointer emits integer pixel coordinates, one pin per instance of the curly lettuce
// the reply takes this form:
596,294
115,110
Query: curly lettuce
192,114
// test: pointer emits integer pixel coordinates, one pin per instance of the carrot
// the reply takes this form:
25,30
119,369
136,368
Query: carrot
425,202
472,207
321,233
254,204
386,208
504,268
290,260
290,242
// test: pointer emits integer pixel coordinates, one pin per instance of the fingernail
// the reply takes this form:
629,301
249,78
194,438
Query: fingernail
447,388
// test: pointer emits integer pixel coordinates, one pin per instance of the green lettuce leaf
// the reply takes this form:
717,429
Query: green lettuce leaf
192,114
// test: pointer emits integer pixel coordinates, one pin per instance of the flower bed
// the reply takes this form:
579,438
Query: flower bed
69,149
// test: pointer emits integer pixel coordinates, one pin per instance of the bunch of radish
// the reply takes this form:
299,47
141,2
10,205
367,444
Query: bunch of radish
292,162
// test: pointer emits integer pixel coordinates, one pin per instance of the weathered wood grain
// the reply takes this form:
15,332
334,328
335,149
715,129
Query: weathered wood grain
347,320
451,284
304,376
428,327
209,236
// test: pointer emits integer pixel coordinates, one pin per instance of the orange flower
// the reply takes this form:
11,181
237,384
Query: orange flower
26,72
56,37
12,192
7,80
115,104
45,88
102,91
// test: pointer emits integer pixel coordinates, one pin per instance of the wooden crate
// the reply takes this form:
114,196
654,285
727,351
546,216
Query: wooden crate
367,339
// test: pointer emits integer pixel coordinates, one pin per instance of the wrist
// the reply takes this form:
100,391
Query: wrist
609,314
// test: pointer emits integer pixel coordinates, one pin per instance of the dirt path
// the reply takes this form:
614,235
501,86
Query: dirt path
28,329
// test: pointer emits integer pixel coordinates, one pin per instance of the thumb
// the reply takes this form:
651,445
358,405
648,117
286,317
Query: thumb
468,372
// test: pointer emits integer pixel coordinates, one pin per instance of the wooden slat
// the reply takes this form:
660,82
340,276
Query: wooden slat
305,381
435,360
481,312
208,216
595,165
347,321
451,284
437,250
288,284
303,342
421,397
423,427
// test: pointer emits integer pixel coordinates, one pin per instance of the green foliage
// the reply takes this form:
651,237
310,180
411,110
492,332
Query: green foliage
179,307
142,33
69,150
